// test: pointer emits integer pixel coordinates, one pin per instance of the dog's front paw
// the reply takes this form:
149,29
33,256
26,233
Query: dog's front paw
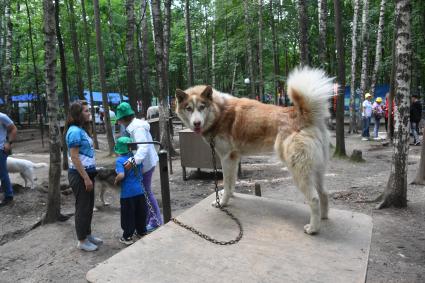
222,202
309,229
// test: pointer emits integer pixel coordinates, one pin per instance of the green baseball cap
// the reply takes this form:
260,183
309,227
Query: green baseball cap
123,110
121,146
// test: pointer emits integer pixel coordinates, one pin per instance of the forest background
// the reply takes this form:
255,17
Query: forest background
223,35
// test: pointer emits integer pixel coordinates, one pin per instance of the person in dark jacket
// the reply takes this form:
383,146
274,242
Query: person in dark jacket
415,118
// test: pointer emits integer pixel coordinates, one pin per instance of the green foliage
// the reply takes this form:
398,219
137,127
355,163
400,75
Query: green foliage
226,20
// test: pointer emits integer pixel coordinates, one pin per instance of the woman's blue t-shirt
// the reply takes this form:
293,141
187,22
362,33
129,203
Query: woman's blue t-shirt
77,137
131,185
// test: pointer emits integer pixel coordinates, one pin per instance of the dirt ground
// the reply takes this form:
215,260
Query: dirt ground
32,253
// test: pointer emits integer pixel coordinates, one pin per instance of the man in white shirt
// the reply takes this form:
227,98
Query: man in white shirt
366,116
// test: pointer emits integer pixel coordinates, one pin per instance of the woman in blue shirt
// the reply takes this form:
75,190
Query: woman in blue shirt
81,173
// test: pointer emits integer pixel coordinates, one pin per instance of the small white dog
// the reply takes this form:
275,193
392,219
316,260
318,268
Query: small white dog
152,112
25,168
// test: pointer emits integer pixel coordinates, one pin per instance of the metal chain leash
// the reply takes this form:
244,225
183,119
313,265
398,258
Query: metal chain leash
218,205
150,207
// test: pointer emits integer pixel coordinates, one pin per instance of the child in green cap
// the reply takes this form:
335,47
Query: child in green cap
132,199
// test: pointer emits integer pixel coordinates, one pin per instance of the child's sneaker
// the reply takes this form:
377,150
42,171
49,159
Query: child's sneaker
150,228
95,240
127,241
137,236
86,246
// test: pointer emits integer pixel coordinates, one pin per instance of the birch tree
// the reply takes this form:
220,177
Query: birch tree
276,69
378,51
2,10
323,14
260,50
129,48
102,75
395,193
88,70
7,68
365,38
188,41
75,48
353,124
249,48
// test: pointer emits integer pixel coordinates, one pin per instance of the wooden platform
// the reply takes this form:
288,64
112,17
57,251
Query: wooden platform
274,247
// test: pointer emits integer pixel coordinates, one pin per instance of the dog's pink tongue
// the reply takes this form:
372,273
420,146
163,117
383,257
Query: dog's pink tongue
197,130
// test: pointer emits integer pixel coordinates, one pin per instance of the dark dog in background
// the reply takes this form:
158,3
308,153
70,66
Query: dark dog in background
104,180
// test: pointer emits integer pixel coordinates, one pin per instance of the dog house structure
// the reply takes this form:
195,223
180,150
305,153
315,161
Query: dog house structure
195,152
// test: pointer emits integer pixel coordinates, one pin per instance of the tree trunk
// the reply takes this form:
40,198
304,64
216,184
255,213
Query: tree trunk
276,69
37,88
102,75
160,69
2,10
390,133
131,58
303,31
7,68
340,142
144,47
75,49
365,39
116,60
378,51
206,49
323,14
167,112
249,48
189,55
53,201
89,73
260,51
64,83
353,124
396,190
167,34
213,35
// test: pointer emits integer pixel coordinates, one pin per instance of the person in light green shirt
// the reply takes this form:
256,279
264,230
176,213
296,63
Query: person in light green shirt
113,119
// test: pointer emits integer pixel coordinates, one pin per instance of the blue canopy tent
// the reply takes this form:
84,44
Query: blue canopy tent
24,97
380,91
113,97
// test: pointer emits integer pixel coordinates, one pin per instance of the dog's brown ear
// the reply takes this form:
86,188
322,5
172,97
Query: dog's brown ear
180,95
207,93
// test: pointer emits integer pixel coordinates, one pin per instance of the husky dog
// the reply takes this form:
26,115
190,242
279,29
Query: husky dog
241,126
25,168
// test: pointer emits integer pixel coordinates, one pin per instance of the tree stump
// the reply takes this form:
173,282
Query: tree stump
356,156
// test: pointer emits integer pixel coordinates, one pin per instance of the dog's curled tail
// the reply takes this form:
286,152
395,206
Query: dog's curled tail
40,165
309,90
